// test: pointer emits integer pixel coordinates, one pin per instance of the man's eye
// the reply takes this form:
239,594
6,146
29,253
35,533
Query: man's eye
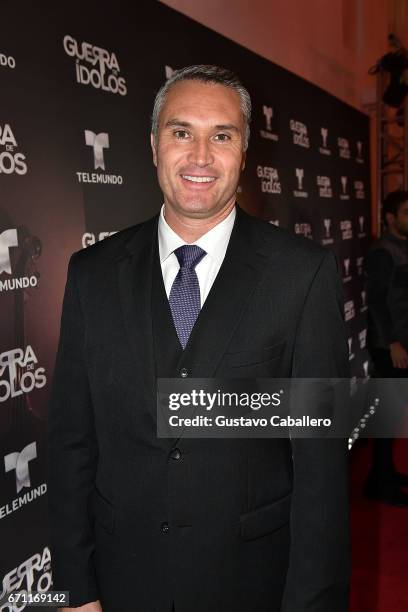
181,134
222,137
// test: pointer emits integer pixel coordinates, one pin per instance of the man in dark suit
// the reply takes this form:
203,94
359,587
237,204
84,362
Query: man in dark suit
386,276
140,523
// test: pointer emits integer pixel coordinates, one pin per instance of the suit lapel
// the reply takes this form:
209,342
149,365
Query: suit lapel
230,294
135,281
167,347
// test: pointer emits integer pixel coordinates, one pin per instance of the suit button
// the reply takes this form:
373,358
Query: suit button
183,372
164,527
175,453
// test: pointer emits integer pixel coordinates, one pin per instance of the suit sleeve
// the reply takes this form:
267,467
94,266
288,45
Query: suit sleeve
72,457
319,565
378,270
397,302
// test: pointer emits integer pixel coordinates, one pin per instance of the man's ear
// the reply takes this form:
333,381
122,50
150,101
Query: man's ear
243,160
153,145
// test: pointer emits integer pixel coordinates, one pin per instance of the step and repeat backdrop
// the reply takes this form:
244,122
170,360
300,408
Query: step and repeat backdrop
77,87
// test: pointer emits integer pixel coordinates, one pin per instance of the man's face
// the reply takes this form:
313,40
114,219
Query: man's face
199,149
400,220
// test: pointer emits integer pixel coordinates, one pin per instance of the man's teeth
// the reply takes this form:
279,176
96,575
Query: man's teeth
199,179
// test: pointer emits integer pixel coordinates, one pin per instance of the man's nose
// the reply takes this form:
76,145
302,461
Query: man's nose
200,153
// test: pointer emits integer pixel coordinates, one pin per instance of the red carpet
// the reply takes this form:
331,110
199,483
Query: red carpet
379,541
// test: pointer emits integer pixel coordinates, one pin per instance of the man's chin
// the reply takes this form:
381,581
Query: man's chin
198,209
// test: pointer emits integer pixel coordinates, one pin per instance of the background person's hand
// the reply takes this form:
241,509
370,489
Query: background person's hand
92,606
399,355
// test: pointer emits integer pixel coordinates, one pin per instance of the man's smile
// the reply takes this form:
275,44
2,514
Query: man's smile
198,181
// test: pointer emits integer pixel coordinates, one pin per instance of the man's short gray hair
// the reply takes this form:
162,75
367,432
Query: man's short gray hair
205,74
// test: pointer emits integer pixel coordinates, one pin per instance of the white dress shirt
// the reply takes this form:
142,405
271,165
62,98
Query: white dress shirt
214,243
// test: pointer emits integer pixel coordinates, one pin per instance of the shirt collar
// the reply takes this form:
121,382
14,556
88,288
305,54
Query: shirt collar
214,242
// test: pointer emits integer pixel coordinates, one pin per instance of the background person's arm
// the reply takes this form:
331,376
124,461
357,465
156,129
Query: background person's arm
72,458
399,355
319,564
94,606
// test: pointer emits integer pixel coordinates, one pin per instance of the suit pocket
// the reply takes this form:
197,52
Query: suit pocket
103,511
265,519
254,356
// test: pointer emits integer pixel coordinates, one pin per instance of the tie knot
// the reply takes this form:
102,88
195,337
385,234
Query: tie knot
189,255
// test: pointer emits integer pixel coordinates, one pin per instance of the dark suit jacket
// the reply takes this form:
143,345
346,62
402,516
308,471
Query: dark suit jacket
386,282
242,525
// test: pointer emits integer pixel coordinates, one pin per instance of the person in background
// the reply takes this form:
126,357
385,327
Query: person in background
386,275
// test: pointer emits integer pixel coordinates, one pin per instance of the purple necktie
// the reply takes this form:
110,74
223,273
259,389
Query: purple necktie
184,298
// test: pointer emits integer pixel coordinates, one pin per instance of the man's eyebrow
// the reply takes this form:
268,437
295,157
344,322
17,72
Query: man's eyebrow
228,126
186,124
177,123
